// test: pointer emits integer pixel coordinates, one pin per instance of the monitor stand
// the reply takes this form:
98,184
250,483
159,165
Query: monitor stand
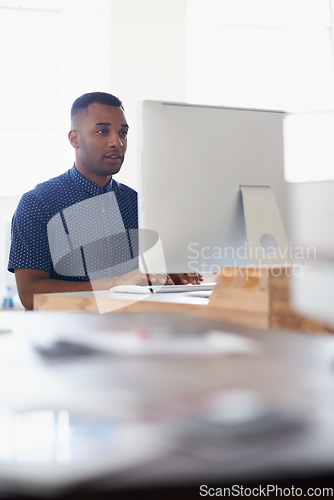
267,242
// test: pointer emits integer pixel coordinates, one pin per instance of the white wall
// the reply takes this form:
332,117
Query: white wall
7,208
148,47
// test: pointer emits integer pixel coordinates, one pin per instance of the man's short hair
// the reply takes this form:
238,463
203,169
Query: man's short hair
85,100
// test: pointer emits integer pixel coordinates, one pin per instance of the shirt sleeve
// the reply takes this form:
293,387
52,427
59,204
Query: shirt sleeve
29,241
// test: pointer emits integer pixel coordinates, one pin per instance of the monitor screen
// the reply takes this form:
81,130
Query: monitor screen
212,191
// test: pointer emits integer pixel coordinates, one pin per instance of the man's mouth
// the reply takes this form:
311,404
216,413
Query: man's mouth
114,155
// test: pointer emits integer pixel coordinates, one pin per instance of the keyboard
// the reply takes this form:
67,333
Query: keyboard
203,287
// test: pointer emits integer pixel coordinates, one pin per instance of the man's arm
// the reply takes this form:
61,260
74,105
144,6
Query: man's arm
32,281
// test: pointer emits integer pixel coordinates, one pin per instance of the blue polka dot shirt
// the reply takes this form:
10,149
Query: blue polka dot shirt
75,230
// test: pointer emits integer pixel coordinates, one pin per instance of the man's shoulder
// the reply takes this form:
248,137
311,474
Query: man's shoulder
49,186
48,194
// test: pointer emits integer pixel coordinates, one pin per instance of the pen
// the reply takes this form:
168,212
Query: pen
150,283
147,275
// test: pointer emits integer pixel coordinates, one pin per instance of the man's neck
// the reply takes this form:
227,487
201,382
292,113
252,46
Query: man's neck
97,179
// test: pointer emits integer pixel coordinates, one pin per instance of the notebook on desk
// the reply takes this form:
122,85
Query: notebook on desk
162,288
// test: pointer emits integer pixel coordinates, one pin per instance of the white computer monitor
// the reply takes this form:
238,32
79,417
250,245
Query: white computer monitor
212,189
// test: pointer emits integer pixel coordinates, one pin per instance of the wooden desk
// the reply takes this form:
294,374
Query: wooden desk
256,298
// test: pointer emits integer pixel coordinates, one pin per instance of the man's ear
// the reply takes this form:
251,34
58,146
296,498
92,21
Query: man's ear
74,138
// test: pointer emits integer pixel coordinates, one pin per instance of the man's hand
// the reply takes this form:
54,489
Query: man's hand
138,278
185,279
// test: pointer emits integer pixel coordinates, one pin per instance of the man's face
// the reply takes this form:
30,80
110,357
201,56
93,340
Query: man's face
99,136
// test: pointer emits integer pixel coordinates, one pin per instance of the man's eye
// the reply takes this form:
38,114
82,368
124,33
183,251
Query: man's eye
101,131
124,133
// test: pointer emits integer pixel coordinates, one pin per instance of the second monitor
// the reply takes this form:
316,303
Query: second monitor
212,188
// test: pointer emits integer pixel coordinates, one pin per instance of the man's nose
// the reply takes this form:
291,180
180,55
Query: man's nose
115,140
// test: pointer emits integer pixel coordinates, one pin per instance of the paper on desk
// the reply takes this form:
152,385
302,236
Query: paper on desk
139,343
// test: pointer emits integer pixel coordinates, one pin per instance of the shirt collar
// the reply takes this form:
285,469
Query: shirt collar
88,185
